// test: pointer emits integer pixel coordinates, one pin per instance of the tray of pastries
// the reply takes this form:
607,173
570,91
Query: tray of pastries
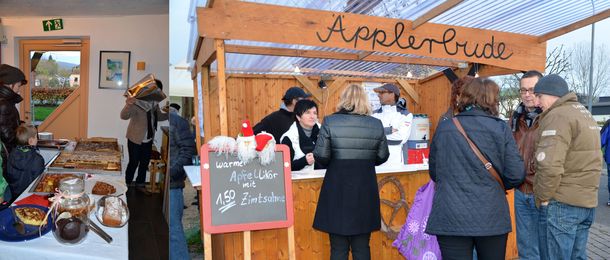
93,162
98,144
49,181
55,143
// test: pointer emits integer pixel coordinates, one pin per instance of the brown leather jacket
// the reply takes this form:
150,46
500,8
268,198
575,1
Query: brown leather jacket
526,141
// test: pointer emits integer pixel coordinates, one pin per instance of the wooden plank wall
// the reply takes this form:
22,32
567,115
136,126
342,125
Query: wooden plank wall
255,97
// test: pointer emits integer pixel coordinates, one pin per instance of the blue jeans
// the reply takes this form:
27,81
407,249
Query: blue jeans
177,241
608,173
528,217
567,230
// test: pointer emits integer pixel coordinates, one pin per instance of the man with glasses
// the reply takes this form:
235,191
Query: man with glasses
524,124
396,124
278,122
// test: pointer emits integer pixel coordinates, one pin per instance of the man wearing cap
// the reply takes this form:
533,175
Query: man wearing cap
569,161
524,125
278,122
396,123
11,80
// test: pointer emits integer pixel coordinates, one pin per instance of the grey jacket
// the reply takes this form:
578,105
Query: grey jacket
136,130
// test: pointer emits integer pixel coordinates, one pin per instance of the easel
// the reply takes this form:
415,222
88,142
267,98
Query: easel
207,243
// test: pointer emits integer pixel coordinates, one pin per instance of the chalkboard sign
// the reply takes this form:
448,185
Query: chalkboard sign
241,197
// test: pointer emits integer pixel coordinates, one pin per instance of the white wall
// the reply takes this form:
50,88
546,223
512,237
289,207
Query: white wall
146,36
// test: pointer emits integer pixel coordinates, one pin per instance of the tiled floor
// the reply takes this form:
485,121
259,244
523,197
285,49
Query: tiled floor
148,230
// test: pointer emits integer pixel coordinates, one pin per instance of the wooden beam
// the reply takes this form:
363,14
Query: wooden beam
222,87
364,54
196,113
409,89
311,87
207,52
272,51
434,12
240,20
205,93
577,25
337,84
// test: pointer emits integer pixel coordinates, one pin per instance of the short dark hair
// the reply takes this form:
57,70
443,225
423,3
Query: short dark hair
174,105
531,74
480,92
303,105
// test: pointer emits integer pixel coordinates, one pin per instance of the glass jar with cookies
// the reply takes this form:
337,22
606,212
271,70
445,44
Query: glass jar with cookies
72,212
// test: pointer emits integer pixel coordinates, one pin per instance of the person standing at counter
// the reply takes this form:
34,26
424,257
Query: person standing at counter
25,163
302,135
350,144
278,122
469,209
396,123
143,117
11,80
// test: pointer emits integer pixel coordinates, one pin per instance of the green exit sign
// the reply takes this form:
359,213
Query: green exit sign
53,25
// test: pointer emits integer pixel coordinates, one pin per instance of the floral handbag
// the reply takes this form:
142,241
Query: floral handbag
412,241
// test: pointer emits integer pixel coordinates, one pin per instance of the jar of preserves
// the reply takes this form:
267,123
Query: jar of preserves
71,222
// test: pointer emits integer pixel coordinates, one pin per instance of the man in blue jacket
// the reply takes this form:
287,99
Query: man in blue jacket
605,137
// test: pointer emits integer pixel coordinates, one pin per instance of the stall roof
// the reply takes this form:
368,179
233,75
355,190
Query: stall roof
534,18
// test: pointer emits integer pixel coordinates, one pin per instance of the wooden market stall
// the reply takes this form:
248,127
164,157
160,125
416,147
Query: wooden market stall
229,98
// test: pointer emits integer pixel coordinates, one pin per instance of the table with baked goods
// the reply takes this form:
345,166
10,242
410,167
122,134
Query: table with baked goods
47,246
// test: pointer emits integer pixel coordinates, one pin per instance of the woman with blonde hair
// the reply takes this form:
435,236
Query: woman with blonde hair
350,144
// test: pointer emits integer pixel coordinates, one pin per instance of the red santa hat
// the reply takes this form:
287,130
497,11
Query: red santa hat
265,147
246,128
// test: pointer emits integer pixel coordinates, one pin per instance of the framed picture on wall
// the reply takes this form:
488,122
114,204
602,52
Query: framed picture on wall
114,69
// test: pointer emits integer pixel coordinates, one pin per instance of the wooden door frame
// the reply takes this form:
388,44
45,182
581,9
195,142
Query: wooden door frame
66,44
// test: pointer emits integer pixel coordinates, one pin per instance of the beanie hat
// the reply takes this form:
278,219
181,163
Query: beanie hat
553,85
11,75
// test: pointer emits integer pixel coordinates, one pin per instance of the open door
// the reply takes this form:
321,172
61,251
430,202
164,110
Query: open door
56,97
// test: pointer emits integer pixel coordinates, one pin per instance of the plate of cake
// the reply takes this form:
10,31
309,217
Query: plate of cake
112,211
104,186
31,216
49,181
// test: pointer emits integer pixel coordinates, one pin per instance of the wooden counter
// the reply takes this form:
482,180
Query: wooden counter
313,244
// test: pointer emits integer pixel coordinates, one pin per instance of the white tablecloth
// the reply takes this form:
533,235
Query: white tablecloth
94,247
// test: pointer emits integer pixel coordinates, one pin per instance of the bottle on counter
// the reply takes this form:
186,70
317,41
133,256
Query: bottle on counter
71,222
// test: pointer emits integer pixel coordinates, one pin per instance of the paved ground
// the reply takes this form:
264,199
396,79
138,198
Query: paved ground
599,235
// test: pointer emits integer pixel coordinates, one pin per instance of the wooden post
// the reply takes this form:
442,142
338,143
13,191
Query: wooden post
247,244
292,254
205,237
222,86
196,109
207,116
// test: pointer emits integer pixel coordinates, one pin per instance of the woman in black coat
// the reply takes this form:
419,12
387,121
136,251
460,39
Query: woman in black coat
351,143
470,208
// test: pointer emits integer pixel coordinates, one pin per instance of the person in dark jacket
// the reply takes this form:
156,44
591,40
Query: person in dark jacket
181,150
278,122
469,208
350,144
11,80
524,125
302,135
25,164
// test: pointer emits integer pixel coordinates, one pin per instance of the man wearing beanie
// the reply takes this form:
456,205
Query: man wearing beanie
11,80
568,158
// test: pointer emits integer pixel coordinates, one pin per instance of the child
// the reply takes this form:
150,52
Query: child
24,162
